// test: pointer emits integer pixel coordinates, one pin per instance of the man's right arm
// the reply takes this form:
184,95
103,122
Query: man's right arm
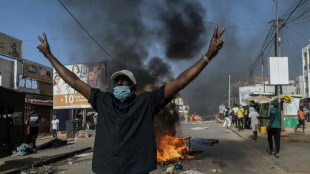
67,75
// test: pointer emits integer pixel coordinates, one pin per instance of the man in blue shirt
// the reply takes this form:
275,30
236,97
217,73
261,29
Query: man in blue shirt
125,138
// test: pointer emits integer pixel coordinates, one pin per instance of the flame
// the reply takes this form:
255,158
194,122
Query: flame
171,148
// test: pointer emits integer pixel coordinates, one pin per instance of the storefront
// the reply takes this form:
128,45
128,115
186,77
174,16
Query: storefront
12,127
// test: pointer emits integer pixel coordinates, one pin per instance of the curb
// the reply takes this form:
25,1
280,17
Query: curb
48,160
219,120
236,133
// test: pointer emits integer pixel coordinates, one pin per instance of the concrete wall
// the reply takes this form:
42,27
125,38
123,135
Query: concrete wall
45,88
6,72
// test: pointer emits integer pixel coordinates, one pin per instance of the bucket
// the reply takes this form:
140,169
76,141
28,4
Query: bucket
263,130
259,128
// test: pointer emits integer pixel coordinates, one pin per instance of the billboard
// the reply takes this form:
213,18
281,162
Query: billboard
37,71
10,46
65,97
278,71
244,92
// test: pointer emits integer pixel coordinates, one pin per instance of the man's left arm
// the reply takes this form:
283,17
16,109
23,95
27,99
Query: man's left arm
191,73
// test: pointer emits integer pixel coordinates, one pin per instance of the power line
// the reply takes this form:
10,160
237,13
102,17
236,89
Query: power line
110,56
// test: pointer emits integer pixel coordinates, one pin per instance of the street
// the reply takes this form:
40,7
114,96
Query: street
233,153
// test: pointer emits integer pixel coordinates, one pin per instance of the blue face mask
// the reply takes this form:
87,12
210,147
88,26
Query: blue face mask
122,92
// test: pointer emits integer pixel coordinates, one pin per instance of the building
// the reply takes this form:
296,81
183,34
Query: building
31,79
306,69
299,83
24,76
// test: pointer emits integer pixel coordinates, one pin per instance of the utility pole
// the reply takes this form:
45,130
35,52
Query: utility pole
263,74
229,91
277,50
277,31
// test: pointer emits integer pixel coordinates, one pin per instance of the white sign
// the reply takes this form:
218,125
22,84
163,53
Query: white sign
244,92
278,71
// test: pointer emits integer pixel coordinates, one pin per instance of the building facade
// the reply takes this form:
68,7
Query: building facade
306,69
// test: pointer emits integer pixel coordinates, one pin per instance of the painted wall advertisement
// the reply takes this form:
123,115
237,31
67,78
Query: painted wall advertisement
65,97
10,46
38,72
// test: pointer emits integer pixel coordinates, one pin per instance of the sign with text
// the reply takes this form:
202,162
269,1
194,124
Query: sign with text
37,72
10,46
65,97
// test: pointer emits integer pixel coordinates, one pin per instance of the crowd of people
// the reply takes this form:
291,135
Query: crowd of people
247,117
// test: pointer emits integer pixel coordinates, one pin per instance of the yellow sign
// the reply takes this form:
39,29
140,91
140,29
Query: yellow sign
38,72
68,101
10,46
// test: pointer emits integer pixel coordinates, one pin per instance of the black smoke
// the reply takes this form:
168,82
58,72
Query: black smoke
179,31
119,28
184,24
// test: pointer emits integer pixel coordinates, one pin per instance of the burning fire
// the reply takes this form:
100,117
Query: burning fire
171,148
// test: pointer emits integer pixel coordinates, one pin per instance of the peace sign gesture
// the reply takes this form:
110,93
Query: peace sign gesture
215,44
44,47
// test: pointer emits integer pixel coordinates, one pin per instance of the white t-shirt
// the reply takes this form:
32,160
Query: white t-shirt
235,110
253,115
55,124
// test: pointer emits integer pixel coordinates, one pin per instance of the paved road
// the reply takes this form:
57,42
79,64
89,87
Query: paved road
232,155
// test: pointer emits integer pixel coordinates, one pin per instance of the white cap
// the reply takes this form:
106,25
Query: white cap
126,73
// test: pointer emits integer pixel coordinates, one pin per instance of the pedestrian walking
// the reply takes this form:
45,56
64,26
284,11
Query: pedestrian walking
227,119
33,119
95,118
254,121
246,118
234,116
55,126
186,115
301,119
240,113
307,114
274,130
125,137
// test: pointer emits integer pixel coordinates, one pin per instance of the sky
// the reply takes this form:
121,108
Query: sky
158,40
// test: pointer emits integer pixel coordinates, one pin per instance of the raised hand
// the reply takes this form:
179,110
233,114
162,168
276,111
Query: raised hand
44,47
215,44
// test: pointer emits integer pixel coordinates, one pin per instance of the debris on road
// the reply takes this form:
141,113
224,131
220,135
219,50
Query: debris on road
199,128
216,171
191,172
81,155
53,143
23,149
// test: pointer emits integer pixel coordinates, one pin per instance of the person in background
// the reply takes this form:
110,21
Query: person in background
33,120
95,117
301,119
186,115
254,121
307,113
274,130
227,119
234,116
54,126
246,118
240,112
